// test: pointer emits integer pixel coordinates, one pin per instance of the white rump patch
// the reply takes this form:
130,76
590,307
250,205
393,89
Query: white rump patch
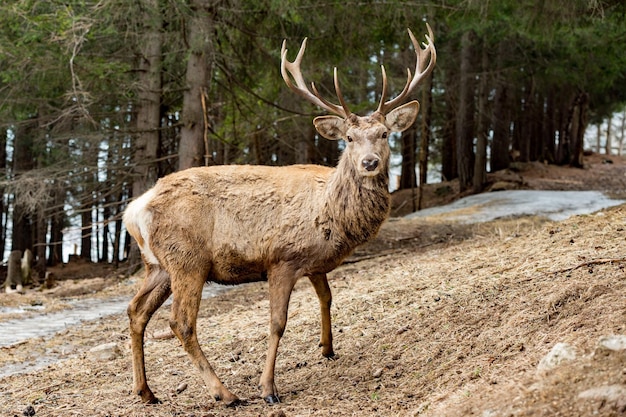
137,217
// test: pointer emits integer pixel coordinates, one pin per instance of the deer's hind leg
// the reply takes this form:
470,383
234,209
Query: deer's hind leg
153,293
320,283
187,290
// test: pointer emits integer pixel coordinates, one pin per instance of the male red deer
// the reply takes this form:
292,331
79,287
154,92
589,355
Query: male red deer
236,224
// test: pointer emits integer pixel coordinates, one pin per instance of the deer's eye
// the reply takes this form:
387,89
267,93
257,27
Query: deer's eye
384,135
349,138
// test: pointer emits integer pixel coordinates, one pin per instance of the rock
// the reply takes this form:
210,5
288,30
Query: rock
163,334
614,342
612,395
105,352
561,352
29,411
181,387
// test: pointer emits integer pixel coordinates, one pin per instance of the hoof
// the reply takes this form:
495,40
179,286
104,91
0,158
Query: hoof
229,401
152,400
272,399
234,403
148,397
327,351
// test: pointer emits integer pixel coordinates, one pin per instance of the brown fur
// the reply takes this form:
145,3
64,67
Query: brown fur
235,224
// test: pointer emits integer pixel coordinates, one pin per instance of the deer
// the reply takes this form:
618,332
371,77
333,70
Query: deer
243,223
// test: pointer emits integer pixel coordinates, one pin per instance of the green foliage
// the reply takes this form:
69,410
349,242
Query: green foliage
563,44
73,67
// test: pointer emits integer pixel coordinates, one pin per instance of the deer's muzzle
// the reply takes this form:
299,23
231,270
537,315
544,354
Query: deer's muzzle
370,163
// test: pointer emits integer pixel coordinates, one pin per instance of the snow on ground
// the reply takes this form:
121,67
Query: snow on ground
555,205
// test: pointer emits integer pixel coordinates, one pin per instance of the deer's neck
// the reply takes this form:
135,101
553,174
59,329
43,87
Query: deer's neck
357,206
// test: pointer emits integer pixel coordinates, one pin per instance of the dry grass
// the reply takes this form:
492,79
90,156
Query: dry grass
430,319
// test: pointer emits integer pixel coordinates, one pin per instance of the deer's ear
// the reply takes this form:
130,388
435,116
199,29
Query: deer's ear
331,127
401,118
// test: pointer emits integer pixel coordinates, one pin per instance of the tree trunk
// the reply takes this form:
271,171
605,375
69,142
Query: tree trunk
86,233
609,143
40,247
149,100
465,115
198,76
578,126
501,144
536,121
549,133
106,215
89,201
3,207
118,232
427,112
448,147
524,131
408,151
148,114
501,116
14,271
305,151
23,160
620,149
482,130
564,150
57,223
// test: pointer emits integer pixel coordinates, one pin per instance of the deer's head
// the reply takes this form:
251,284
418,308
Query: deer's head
366,137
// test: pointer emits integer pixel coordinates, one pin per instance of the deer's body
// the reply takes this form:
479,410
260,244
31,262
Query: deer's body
236,224
246,218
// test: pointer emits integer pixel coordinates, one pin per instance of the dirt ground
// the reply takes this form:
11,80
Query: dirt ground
429,319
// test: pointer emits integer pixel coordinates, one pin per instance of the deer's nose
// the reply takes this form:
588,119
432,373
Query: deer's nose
370,163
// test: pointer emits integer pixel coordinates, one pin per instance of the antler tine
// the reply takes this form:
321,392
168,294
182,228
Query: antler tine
382,105
346,110
301,88
383,95
338,92
424,64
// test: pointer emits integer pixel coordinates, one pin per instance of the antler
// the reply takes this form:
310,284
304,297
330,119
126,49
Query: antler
428,54
301,88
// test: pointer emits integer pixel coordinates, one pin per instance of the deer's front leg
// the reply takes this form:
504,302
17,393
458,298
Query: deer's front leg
281,283
320,283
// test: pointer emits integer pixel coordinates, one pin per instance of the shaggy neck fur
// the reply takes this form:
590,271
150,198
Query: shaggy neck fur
357,205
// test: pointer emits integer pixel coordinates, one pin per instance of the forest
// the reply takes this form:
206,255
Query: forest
99,99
